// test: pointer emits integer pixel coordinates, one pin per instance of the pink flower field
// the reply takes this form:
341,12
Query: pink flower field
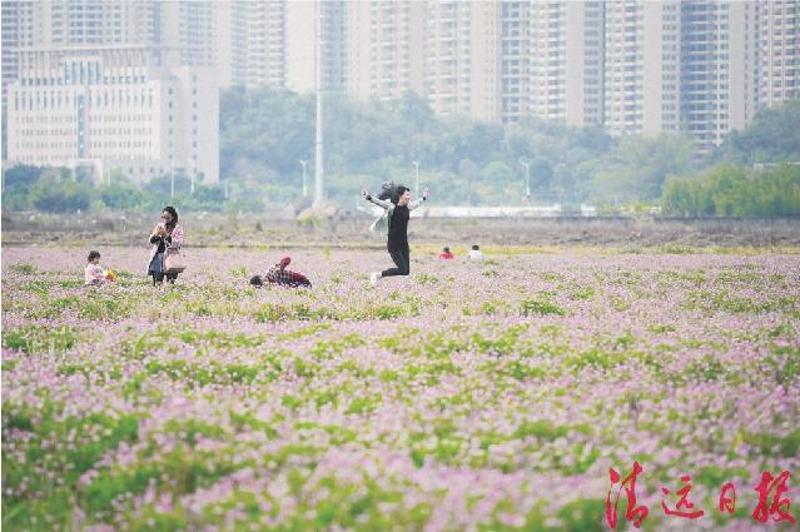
487,396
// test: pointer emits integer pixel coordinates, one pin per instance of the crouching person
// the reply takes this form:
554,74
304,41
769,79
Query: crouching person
278,274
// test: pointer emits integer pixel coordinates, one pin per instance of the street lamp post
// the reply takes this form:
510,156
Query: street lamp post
416,182
304,164
527,166
319,172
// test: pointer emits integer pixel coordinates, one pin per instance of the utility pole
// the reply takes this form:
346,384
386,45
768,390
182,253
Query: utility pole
416,182
304,164
527,166
319,175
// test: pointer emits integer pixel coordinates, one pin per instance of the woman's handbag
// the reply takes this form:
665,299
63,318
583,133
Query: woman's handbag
174,262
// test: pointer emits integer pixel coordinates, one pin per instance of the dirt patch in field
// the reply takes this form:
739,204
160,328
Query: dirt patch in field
250,230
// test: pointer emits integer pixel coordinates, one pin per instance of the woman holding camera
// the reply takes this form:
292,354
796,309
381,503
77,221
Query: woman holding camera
167,239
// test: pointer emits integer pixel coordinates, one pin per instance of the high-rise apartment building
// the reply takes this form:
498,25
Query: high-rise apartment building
718,68
250,41
463,64
17,32
642,67
566,61
300,45
114,107
385,48
185,30
515,54
778,51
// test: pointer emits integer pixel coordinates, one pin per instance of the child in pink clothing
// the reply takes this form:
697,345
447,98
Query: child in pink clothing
94,274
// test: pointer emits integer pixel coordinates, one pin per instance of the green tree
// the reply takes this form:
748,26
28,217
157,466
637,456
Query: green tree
66,196
772,137
639,165
729,190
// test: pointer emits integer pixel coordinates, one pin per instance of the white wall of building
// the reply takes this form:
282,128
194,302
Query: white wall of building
89,106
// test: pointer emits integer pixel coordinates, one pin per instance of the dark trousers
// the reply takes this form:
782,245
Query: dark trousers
402,259
159,277
156,269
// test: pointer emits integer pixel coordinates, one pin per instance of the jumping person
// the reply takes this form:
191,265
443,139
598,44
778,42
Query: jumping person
166,236
278,274
397,214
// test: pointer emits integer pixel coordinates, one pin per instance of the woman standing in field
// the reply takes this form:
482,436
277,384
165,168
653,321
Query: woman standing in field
166,238
398,211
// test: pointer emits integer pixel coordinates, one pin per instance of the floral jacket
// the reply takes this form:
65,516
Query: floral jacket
173,242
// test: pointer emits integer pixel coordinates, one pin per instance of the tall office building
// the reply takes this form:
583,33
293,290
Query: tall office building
642,67
385,48
114,107
566,62
778,51
718,69
463,66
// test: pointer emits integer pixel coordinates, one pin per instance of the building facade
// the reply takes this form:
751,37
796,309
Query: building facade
250,43
642,67
515,60
385,49
462,68
566,62
718,69
300,46
114,107
777,51
111,84
702,67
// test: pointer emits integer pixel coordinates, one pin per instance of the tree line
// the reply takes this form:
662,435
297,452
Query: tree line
266,133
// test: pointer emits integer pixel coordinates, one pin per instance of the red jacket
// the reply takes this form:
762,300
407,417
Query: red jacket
278,274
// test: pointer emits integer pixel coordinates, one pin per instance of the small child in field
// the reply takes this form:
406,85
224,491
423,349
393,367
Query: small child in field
278,274
475,253
93,274
446,254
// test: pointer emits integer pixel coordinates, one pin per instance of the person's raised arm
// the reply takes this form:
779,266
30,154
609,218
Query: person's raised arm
380,203
157,234
419,201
